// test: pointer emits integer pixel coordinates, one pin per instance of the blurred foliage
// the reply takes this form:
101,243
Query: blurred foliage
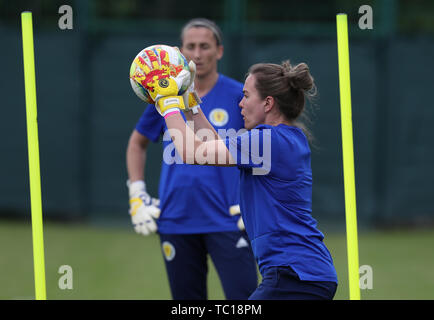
407,16
151,9
45,12
416,16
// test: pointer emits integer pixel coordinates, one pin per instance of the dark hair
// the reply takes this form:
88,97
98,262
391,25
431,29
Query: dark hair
203,23
289,86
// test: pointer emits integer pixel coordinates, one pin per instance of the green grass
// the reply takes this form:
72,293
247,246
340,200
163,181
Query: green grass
116,263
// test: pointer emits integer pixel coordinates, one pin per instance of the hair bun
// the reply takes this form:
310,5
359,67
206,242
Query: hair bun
298,76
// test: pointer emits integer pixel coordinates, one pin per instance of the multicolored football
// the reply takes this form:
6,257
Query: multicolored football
154,63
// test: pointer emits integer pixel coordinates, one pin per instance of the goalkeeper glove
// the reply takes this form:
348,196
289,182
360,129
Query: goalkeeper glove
235,210
165,93
143,208
163,87
191,98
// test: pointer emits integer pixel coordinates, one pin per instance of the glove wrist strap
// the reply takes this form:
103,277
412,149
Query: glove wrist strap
170,102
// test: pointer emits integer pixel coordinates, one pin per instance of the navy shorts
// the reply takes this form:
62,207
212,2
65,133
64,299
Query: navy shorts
185,256
282,283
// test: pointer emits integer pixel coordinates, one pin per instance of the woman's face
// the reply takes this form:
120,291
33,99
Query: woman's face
252,105
200,45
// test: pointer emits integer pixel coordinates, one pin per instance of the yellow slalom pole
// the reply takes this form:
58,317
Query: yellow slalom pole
33,150
348,156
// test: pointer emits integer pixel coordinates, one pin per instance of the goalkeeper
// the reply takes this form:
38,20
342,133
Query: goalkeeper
200,213
276,192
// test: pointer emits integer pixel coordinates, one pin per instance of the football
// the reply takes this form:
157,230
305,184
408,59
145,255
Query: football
159,61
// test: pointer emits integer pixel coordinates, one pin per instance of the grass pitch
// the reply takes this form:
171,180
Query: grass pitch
117,263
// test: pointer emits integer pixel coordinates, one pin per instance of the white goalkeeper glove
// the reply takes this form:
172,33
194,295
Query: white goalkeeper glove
143,209
235,210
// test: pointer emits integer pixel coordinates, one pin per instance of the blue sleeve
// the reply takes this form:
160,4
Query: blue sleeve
252,149
151,124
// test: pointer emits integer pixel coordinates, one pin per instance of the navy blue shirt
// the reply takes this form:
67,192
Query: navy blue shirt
276,199
195,198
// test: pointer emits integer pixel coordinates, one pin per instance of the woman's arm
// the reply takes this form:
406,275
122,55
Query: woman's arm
198,122
201,146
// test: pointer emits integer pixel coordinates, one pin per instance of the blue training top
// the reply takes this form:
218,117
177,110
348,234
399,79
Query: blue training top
194,198
276,198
